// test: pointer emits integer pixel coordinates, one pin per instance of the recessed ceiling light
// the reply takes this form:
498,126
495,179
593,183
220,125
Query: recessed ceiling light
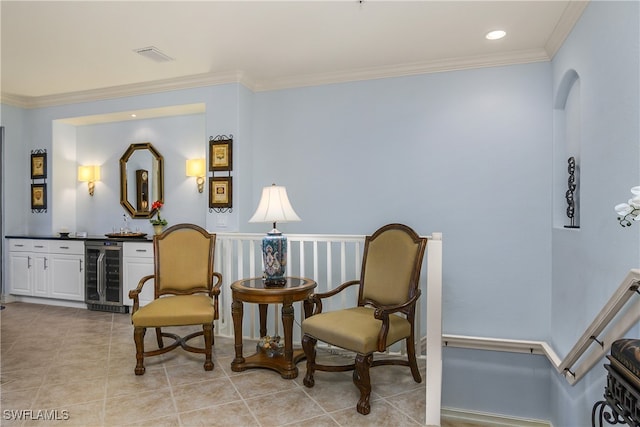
495,35
133,115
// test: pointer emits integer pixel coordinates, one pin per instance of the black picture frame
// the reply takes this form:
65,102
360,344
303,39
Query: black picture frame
220,192
38,165
39,196
221,155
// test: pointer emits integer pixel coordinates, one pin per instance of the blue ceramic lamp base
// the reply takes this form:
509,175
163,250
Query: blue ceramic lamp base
274,256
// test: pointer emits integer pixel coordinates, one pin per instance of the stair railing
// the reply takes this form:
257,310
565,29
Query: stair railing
614,320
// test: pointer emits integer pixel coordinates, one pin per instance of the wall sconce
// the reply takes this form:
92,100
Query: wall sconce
89,174
195,167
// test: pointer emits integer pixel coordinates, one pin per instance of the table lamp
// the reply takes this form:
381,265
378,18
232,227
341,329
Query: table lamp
274,207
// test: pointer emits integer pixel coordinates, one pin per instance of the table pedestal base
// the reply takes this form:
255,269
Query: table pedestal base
286,369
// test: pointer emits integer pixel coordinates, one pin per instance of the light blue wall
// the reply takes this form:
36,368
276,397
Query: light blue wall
465,153
16,162
589,263
498,383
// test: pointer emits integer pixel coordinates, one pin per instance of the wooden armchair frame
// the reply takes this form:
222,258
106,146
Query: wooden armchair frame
380,312
210,287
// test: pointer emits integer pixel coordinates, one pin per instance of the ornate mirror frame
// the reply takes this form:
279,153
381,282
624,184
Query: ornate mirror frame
144,183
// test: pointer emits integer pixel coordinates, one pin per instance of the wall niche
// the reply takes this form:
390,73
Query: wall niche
566,157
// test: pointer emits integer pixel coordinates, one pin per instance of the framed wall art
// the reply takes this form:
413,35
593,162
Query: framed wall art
220,154
38,164
39,197
220,192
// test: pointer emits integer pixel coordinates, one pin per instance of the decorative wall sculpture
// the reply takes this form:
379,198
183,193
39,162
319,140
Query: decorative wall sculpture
572,184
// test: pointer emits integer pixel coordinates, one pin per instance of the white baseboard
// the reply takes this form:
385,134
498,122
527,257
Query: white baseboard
490,420
7,299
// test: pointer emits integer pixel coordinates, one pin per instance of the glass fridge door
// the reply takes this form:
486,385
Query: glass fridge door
112,276
91,274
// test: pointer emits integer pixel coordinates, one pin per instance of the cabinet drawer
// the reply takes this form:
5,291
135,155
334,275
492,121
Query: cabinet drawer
40,246
138,249
20,245
66,247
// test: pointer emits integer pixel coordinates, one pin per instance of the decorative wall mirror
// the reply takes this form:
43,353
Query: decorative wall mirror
141,179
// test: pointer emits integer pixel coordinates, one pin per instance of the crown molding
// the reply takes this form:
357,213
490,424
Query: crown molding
15,100
134,89
570,16
453,64
202,80
567,21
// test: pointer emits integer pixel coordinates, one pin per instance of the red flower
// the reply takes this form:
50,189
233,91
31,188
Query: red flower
155,207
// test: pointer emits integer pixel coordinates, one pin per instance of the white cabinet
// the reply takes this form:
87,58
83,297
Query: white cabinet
47,268
137,263
66,270
20,264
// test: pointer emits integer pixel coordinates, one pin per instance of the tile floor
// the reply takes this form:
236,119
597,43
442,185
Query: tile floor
78,364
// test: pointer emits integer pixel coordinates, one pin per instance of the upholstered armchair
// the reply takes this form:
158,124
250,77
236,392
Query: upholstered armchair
383,314
186,293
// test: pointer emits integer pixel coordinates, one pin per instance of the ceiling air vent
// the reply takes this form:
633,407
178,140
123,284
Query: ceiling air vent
153,53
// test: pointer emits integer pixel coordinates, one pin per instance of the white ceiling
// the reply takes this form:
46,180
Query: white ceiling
55,52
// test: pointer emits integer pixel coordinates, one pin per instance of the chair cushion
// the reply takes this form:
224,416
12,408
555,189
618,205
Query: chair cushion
354,329
627,352
177,310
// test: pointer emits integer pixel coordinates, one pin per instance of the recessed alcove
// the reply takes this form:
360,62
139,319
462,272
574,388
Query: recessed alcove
566,144
69,151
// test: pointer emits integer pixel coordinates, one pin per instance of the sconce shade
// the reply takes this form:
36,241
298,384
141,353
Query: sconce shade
88,173
195,167
274,207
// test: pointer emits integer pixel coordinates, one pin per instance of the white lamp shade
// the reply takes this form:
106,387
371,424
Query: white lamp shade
274,206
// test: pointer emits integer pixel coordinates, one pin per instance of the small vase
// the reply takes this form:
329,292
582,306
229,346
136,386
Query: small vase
157,229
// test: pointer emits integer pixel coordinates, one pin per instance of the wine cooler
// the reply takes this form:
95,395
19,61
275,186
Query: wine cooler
103,276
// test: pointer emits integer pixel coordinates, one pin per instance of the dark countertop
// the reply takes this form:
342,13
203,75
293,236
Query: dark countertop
82,239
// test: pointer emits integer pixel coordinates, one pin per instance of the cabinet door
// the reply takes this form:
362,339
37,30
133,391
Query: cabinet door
40,274
66,277
20,273
134,270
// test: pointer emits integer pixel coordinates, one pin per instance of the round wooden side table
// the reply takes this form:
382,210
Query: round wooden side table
255,291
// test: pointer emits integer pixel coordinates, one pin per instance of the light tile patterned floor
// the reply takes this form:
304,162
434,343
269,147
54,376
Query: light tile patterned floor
80,363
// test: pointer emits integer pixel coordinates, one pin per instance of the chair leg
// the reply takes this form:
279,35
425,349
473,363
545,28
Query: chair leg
309,347
411,356
208,343
138,337
159,337
362,380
